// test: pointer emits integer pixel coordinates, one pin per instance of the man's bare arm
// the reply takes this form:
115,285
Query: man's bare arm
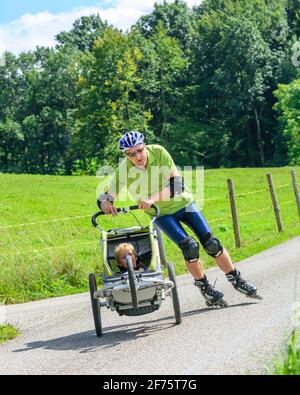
106,202
163,195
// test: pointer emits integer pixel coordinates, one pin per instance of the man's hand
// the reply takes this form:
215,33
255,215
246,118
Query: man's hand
108,208
145,204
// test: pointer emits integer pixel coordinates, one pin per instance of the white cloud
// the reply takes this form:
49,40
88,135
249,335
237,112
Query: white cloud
39,29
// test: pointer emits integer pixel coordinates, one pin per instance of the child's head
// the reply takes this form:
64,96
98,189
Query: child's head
122,251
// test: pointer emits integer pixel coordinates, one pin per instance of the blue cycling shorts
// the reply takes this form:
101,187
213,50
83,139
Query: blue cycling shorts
190,216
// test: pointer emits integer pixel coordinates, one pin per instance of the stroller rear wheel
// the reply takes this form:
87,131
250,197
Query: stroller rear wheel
175,297
95,305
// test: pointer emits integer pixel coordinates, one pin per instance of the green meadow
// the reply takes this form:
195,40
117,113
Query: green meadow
48,245
7,332
289,363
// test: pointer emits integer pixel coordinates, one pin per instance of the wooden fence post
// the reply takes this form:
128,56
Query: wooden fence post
296,190
275,202
234,214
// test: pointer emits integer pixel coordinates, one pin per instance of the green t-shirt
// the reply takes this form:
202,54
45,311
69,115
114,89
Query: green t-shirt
132,183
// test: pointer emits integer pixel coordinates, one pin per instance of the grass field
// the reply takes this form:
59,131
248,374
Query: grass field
290,363
7,332
40,260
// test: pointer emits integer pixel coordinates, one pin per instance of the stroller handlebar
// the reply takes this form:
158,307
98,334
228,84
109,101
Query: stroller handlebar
124,210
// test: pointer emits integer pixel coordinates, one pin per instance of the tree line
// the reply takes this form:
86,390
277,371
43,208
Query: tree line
214,84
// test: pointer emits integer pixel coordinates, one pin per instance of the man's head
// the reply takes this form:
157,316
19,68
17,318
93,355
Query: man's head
133,147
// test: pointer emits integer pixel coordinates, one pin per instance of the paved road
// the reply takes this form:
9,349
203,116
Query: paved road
58,334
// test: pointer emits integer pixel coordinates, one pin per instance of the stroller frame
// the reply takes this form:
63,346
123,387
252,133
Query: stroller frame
133,293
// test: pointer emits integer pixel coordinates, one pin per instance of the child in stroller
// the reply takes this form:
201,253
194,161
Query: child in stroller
124,249
138,286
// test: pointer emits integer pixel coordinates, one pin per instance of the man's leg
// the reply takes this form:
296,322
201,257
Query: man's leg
195,269
224,262
196,221
190,248
214,248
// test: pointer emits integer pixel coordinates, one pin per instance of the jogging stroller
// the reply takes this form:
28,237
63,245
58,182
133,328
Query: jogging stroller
132,293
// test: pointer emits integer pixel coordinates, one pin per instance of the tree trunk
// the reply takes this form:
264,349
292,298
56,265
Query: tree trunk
5,160
250,147
259,139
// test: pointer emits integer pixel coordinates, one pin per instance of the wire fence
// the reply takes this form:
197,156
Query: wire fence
45,222
247,193
78,243
41,250
90,215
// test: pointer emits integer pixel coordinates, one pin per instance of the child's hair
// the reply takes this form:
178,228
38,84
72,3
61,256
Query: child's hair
120,247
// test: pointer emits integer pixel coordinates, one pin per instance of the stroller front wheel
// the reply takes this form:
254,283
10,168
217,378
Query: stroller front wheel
175,297
132,282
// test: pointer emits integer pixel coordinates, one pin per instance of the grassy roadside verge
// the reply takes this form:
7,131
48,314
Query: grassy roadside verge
45,259
7,332
290,365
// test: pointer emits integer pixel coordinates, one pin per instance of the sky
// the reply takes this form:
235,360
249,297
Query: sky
24,24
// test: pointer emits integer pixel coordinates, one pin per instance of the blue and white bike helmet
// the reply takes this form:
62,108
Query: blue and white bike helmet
130,140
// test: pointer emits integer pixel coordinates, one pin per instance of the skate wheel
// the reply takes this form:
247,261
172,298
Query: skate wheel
257,296
223,303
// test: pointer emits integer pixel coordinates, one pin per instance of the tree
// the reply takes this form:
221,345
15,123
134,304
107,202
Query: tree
107,93
161,69
11,138
9,87
48,96
293,17
240,56
288,106
177,19
86,30
199,80
194,143
269,16
235,69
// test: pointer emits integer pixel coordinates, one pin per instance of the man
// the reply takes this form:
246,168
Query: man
176,206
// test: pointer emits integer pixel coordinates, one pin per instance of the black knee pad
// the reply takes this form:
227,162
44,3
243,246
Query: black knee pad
190,249
212,246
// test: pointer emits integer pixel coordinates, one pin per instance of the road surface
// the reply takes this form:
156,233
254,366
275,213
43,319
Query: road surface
58,334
